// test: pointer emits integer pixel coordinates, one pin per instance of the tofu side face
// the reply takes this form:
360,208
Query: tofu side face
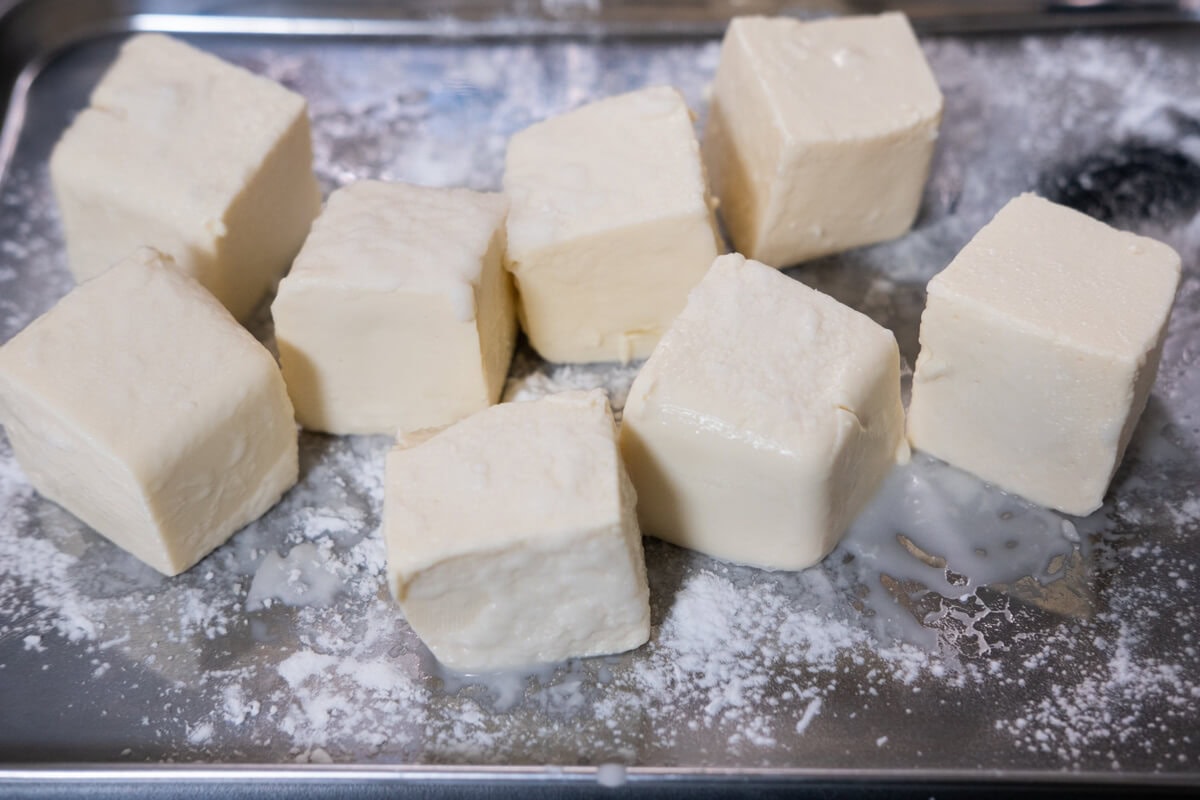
1039,347
610,297
610,225
398,314
140,405
764,421
200,159
820,134
512,537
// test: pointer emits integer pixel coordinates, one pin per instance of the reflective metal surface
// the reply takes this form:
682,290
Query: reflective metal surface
957,634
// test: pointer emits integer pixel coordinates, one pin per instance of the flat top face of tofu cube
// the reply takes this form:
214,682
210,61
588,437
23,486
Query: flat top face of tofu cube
137,358
387,237
511,475
1067,276
841,78
764,359
176,125
621,161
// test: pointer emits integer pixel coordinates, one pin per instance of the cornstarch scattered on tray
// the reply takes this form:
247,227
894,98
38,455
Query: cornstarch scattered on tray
955,627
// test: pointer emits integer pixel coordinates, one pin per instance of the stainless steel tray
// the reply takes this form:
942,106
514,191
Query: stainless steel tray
957,635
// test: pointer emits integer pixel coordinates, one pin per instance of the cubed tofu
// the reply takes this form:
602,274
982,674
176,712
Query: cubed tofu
610,225
1039,347
398,314
139,404
512,538
195,157
820,134
764,421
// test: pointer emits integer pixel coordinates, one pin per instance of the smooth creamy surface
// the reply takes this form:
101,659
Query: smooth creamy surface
765,419
512,537
1039,346
398,314
195,157
140,405
610,225
820,134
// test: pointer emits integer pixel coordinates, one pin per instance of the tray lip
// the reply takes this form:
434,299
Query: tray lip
117,17
23,57
68,773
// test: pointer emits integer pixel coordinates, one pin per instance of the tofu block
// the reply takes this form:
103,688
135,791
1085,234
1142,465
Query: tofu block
764,421
820,134
195,157
139,404
397,314
610,225
1039,347
512,538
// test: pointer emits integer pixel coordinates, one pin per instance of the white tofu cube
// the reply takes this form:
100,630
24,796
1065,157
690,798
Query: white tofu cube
1039,347
512,538
195,157
398,314
142,407
820,134
610,225
764,421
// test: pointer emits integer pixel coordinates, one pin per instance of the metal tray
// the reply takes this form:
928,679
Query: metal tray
957,636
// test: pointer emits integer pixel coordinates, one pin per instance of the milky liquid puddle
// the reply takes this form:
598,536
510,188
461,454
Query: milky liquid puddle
504,690
298,579
934,533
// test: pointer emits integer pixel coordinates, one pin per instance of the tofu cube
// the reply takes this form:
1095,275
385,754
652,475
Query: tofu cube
764,421
820,134
512,538
610,225
195,157
398,314
1039,347
139,404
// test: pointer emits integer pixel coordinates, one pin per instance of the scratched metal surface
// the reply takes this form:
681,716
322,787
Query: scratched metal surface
1107,121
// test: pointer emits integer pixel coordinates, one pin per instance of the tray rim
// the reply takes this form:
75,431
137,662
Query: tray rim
211,773
22,58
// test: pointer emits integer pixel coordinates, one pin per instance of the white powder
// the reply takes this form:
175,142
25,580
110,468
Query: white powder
610,775
284,644
531,378
810,712
200,734
1125,699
